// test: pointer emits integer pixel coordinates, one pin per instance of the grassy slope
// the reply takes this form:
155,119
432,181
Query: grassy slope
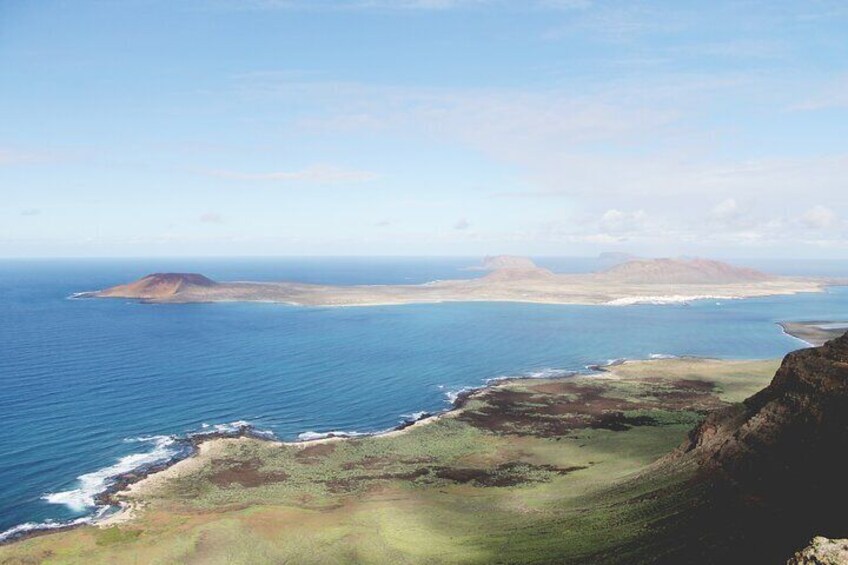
451,491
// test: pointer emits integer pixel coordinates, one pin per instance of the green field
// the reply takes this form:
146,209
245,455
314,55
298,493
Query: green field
528,472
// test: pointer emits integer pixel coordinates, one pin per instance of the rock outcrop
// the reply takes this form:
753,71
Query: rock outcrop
822,551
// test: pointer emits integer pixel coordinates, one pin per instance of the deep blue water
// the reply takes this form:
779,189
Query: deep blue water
80,379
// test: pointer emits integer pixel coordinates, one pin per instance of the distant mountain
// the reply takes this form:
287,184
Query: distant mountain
158,286
610,259
496,262
507,279
682,271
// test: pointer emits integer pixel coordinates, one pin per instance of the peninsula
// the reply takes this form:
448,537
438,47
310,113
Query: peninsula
507,279
816,332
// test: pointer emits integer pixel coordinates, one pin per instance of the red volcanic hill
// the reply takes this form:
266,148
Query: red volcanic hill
158,285
493,263
511,268
682,271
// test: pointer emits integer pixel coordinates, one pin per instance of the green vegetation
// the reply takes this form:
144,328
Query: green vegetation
532,471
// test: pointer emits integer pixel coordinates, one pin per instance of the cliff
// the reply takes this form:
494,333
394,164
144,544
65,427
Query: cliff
776,466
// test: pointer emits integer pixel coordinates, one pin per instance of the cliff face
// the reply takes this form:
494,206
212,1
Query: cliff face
777,466
802,414
158,286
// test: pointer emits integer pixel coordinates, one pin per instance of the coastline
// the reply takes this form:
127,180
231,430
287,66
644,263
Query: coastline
578,298
814,333
126,495
510,444
119,502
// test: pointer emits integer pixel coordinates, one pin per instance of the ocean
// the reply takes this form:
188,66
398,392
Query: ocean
92,388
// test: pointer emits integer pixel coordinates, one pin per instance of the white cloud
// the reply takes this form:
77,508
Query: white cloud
15,157
319,174
726,210
461,224
399,5
618,222
631,152
819,218
211,218
830,96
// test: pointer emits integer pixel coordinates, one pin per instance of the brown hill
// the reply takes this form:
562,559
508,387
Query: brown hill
158,286
681,271
496,262
506,268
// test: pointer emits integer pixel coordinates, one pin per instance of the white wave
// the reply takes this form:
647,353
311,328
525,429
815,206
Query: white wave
76,295
26,527
453,395
229,427
666,299
608,363
92,484
415,416
311,436
548,374
232,428
662,356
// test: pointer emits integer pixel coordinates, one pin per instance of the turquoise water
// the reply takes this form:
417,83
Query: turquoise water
89,388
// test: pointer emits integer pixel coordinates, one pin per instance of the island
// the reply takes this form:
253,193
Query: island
507,279
672,460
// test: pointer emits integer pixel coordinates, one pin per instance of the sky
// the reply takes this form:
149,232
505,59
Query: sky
423,127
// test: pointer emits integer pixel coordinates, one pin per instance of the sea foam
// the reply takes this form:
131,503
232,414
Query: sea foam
312,436
91,484
26,527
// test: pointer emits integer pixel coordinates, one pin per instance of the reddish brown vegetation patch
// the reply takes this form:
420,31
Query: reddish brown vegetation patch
557,408
505,475
315,452
244,473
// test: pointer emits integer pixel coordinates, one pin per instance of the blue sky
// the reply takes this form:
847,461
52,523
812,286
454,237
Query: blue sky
423,127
